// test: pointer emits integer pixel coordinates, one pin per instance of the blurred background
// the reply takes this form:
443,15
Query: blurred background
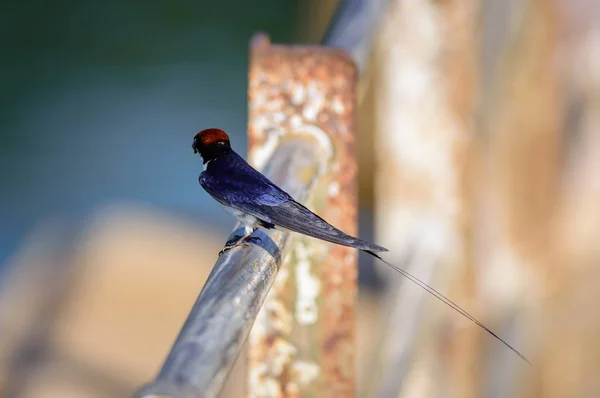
478,148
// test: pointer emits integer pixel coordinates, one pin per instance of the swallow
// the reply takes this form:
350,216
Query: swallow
257,202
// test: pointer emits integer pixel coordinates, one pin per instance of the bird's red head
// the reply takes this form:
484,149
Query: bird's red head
210,136
211,143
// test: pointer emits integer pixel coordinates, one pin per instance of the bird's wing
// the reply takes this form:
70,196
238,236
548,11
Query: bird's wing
296,217
236,184
242,191
269,203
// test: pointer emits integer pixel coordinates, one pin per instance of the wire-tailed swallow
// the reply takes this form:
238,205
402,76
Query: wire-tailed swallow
257,202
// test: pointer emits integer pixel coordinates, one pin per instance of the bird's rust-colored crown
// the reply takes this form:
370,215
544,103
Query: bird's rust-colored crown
212,135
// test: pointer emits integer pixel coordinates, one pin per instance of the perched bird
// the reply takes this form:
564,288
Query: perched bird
257,202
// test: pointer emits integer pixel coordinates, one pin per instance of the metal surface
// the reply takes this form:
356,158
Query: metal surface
354,26
302,343
224,312
424,78
524,124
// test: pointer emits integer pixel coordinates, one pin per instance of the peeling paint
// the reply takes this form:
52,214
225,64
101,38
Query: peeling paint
283,354
333,189
337,106
262,384
309,287
305,371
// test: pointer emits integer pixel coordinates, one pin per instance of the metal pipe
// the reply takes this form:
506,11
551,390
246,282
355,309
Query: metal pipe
353,27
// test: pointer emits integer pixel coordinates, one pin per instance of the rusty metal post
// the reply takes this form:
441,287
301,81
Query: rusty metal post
302,341
424,75
520,181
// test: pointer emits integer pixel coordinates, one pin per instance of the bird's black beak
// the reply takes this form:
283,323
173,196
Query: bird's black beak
194,148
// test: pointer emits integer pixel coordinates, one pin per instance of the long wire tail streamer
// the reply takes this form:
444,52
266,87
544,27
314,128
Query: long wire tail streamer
445,300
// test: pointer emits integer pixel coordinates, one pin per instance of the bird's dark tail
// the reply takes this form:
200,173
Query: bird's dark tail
445,300
296,217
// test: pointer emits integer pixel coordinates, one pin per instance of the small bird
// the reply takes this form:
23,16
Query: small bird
257,202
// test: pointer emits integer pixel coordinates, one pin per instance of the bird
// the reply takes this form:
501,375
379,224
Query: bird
257,202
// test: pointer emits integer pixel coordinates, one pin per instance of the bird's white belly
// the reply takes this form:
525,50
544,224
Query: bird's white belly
249,221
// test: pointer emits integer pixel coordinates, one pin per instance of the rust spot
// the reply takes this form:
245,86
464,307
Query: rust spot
332,341
270,339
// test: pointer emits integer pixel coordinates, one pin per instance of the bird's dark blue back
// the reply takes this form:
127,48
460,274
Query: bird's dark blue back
233,182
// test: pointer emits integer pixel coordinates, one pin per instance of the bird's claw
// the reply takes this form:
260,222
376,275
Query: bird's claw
237,241
233,241
252,239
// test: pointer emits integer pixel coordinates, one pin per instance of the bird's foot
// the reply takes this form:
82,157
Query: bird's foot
251,239
237,241
233,241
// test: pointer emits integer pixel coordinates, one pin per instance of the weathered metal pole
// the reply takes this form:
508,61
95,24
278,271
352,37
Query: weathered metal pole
354,27
524,121
302,343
